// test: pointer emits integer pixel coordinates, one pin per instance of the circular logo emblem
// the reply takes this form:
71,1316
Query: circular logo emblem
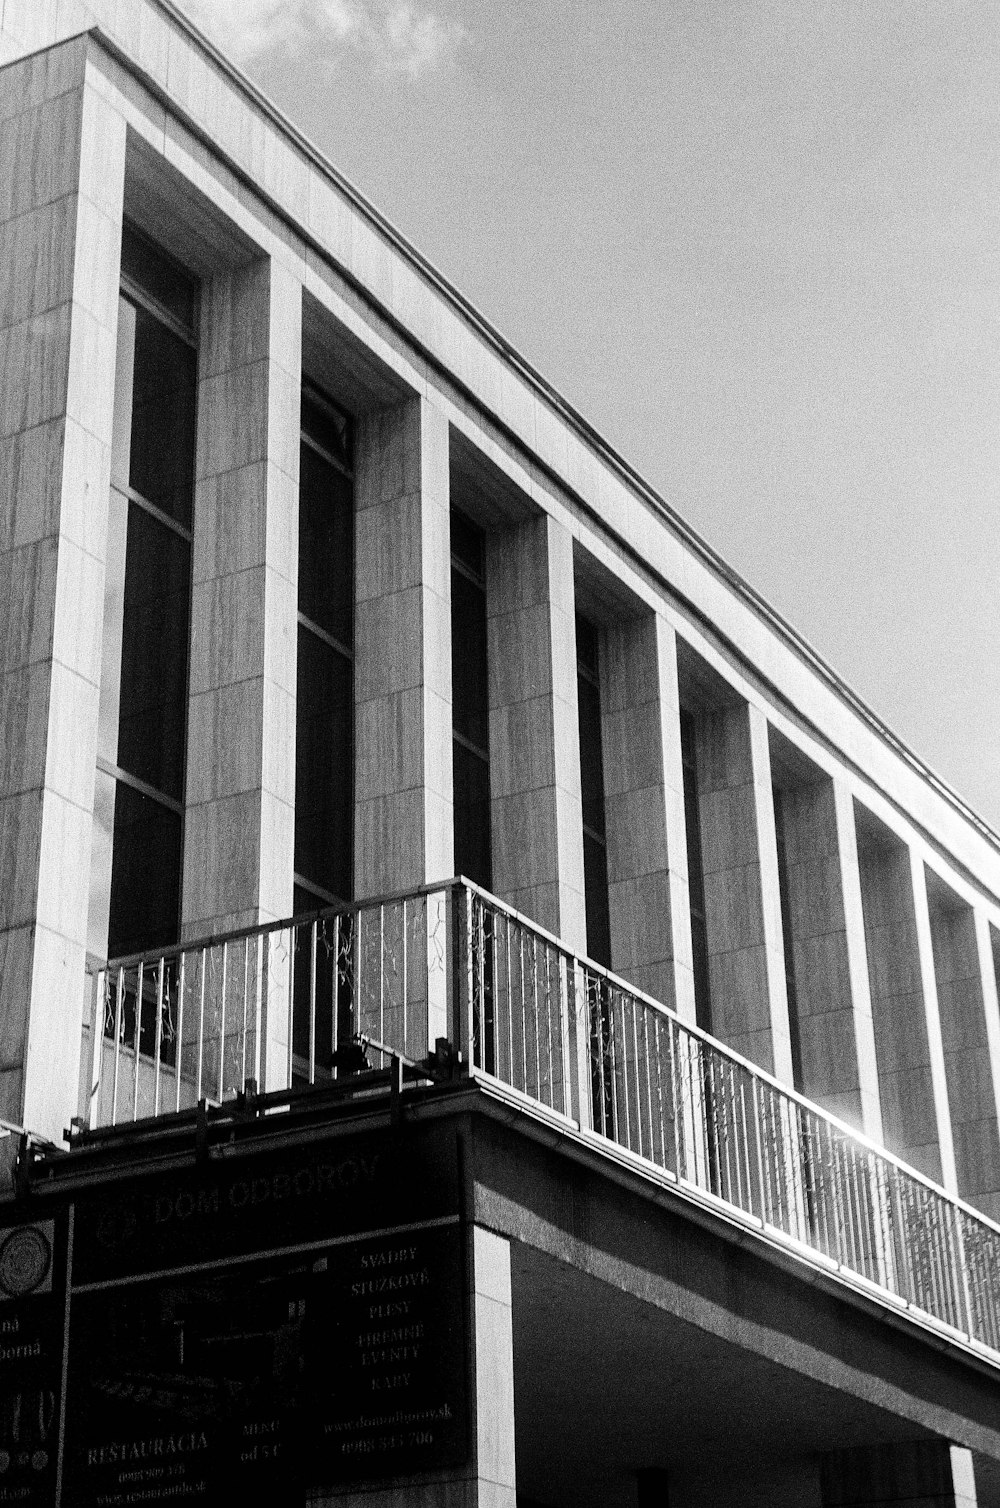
25,1258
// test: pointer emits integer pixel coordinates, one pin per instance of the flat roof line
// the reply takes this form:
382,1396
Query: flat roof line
572,416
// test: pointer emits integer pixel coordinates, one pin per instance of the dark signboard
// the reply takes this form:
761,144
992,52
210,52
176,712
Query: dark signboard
270,1324
286,1196
387,1358
275,1376
32,1318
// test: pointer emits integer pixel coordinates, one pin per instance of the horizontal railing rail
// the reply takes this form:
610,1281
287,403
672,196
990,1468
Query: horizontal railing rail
311,999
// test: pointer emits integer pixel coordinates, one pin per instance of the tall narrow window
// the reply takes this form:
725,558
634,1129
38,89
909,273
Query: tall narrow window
595,855
142,727
470,702
696,874
324,747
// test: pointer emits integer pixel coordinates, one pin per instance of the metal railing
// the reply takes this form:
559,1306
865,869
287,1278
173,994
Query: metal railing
297,1002
282,1004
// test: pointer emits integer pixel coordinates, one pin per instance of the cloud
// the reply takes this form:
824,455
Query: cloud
402,36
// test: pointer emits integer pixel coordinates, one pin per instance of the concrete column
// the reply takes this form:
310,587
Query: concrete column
965,1041
239,838
644,810
857,960
488,1480
991,1011
742,898
832,999
534,727
932,1016
404,804
920,1474
62,164
404,823
897,980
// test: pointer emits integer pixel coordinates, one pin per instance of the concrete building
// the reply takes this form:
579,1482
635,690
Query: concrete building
675,1119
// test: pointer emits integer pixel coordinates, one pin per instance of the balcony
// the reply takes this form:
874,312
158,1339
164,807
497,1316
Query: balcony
449,980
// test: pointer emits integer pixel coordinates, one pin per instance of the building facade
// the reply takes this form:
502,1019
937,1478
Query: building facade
313,596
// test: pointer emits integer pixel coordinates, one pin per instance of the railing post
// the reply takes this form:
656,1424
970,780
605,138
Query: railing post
963,1292
258,1012
275,1010
762,1174
179,1048
119,1028
97,1010
158,1036
883,1227
140,984
464,1005
313,939
579,1003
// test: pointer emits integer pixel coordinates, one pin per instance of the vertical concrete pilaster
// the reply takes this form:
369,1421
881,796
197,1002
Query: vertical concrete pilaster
534,727
932,1016
857,963
918,1474
488,1480
62,165
239,838
830,972
742,897
991,1012
961,997
404,823
898,967
644,810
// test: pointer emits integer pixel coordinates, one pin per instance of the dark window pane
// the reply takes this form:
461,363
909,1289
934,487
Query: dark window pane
472,816
323,767
595,876
784,895
586,647
153,704
163,417
334,955
595,861
315,944
591,756
158,277
328,427
326,546
468,661
696,877
468,545
145,874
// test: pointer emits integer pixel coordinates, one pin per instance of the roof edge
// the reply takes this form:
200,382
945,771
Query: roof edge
572,416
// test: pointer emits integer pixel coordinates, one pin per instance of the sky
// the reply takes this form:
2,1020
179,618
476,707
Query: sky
755,243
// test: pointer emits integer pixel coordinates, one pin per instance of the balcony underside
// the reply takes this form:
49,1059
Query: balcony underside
650,1330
